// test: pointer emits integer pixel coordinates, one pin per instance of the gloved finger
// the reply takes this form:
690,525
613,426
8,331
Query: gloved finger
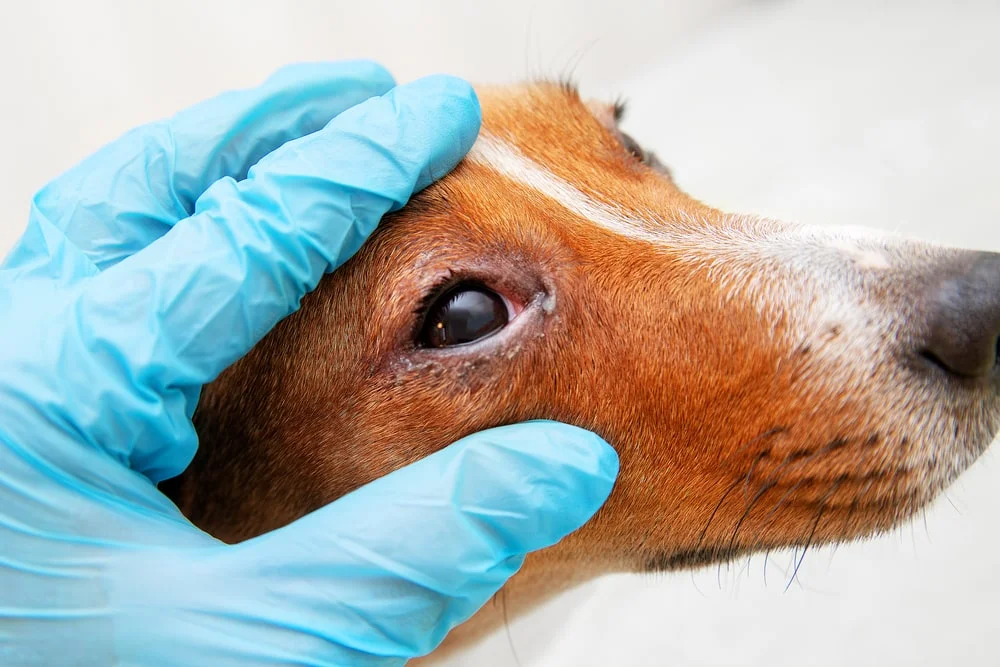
389,569
134,190
177,313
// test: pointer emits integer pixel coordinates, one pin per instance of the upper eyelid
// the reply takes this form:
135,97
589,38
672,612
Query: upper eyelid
439,288
618,109
610,117
647,157
631,145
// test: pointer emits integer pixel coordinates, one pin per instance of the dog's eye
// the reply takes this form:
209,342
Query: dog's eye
633,147
644,156
464,314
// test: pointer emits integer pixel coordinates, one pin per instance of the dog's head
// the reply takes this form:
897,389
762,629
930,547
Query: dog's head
765,384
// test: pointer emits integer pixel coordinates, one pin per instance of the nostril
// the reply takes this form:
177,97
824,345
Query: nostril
963,318
933,360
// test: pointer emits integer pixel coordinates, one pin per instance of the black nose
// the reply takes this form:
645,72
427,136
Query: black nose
964,317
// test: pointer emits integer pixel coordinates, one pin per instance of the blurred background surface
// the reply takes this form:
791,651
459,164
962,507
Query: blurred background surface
870,112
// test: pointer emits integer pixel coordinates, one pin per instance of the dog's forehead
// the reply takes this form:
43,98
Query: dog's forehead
550,125
567,154
546,120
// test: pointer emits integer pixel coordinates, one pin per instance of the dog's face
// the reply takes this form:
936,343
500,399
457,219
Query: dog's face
765,384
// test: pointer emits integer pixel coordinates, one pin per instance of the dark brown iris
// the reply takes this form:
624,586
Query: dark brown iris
463,314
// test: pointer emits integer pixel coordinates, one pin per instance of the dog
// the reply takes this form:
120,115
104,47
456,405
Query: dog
765,384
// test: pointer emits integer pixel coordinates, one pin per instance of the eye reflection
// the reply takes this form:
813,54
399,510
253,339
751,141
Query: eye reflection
463,314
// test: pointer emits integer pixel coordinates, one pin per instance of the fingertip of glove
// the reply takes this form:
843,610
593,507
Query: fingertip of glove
561,447
589,441
567,473
450,100
595,455
451,90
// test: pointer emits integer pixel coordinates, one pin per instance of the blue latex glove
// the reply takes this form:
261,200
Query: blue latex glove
143,273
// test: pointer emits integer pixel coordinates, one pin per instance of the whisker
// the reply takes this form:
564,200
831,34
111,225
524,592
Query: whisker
695,584
746,567
506,625
770,433
783,570
781,501
767,486
832,445
746,485
859,469
767,434
796,561
812,533
704,532
576,58
951,502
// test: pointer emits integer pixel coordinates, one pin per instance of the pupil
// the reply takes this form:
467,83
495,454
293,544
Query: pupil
463,316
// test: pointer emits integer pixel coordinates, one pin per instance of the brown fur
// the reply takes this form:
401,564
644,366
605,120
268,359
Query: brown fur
730,439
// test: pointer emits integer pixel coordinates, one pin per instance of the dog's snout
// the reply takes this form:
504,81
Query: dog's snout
963,316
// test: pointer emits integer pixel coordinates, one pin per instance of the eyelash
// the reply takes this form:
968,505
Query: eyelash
633,147
441,287
433,294
620,107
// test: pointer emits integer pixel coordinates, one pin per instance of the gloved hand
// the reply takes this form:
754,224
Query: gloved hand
143,273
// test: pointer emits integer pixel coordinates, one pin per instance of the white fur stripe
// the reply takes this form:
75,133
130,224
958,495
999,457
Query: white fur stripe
745,239
508,161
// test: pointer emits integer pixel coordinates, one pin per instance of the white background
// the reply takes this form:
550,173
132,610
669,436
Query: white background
860,112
